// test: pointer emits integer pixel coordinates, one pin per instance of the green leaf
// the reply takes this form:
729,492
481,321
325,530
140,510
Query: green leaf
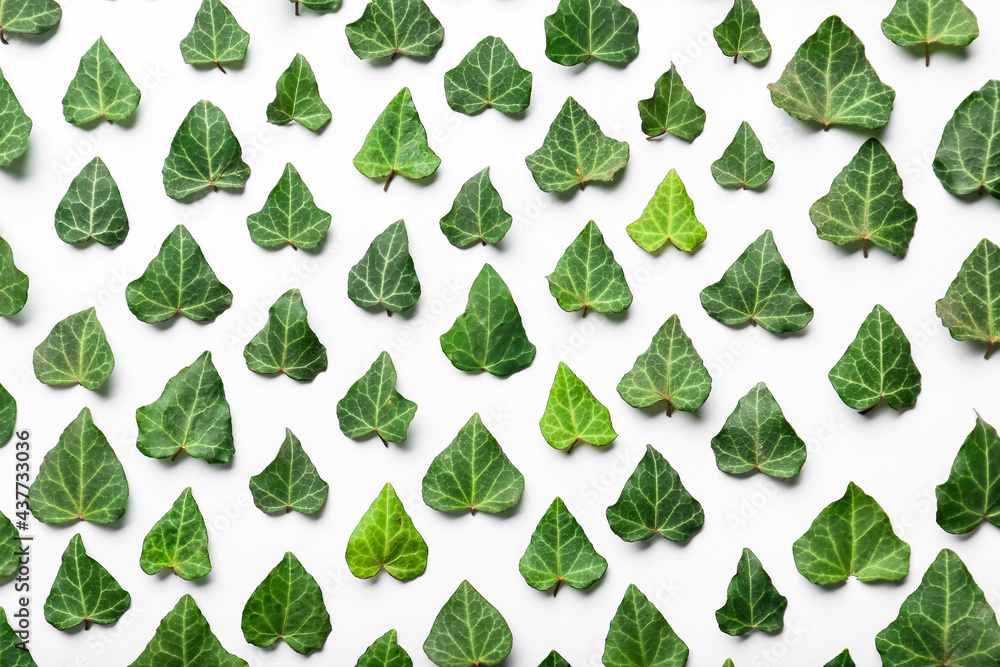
553,659
588,277
287,344
477,215
15,126
184,639
179,540
926,22
575,152
866,204
385,652
13,282
583,29
92,208
204,153
289,482
655,502
76,351
8,420
972,491
560,553
489,335
289,215
740,34
877,365
851,537
390,28
298,97
384,278
83,591
287,605
756,436
573,415
489,77
215,37
668,218
671,109
472,473
752,601
843,659
639,636
318,5
669,370
386,538
967,160
829,80
758,288
743,163
178,281
372,405
28,17
945,621
11,653
468,631
80,478
969,309
10,548
101,89
397,142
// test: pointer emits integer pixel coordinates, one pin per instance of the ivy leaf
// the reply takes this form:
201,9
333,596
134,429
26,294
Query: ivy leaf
968,308
204,153
945,621
289,482
866,204
397,142
179,540
289,215
390,28
92,208
11,653
184,639
639,636
583,29
8,420
372,405
553,659
80,478
573,415
101,88
752,601
851,537
318,5
966,160
668,218
829,80
287,605
298,97
758,288
10,547
489,77
178,281
472,473
655,502
385,277
386,538
287,344
756,436
843,659
972,491
560,552
13,282
468,631
877,365
926,22
588,277
740,34
575,152
215,37
83,591
28,17
743,163
671,109
76,351
385,652
477,215
15,126
669,370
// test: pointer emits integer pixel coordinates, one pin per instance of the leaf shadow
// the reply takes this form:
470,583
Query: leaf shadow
580,68
182,457
18,168
786,482
386,61
951,51
34,40
975,197
655,539
760,64
18,319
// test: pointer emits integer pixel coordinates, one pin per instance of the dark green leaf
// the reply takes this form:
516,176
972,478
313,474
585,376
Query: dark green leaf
289,482
389,28
752,601
397,143
28,17
743,163
926,22
289,215
215,38
385,652
385,278
101,88
573,415
588,277
92,208
843,659
179,541
76,351
204,154
13,282
287,605
477,215
10,547
553,659
969,308
372,405
298,97
668,218
386,538
671,109
468,632
286,344
8,420
489,77
15,126
83,591
740,34
560,553
972,491
583,29
757,436
967,160
11,653
184,639
640,636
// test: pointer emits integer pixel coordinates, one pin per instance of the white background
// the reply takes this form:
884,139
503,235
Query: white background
897,458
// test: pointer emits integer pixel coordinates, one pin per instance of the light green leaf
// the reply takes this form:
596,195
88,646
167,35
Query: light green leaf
671,109
477,215
639,636
472,473
743,163
298,97
972,491
740,34
385,652
752,601
668,218
575,152
969,308
829,80
289,482
28,17
92,208
583,29
573,414
179,540
372,405
553,659
384,278
287,605
756,436
389,28
215,37
386,538
15,126
851,537
80,478
76,351
11,653
468,632
204,153
967,160
758,288
101,88
83,591
184,639
489,77
588,277
10,547
877,365
13,282
560,552
397,143
926,22
287,344
8,420
843,659
289,215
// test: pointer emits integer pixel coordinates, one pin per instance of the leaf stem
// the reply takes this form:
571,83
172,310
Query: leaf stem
392,175
87,623
296,7
864,246
736,57
586,309
867,410
388,312
221,68
989,350
670,409
927,54
3,39
395,54
555,589
385,443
